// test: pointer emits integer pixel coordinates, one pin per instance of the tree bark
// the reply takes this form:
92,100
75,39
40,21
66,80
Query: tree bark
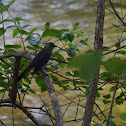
53,97
15,82
97,47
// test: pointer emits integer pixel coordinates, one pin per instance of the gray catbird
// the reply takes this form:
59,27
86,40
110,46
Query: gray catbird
40,59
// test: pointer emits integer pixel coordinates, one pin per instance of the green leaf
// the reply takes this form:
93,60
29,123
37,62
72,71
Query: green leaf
123,116
34,41
69,74
118,26
13,46
26,85
71,52
76,73
113,88
97,95
32,91
58,55
2,31
104,48
12,26
11,2
47,25
19,17
5,7
24,32
33,30
40,83
121,38
84,42
76,25
115,65
107,96
54,78
122,52
26,25
62,65
30,47
10,50
117,44
123,84
6,20
79,33
97,124
68,36
118,99
52,32
106,102
88,64
108,77
2,90
15,32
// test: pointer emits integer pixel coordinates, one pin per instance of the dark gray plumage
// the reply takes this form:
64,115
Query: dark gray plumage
40,59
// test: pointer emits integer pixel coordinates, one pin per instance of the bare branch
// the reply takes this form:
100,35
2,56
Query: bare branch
117,13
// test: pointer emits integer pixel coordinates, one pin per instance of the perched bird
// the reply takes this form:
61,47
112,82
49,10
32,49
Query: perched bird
40,59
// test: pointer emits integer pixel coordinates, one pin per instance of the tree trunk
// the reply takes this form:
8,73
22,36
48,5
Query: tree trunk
97,47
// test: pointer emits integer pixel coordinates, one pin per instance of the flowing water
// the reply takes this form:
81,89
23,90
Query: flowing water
60,14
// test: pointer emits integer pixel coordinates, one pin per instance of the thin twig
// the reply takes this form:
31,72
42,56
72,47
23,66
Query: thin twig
114,93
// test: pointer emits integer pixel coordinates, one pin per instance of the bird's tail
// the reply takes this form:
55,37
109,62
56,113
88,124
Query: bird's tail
23,73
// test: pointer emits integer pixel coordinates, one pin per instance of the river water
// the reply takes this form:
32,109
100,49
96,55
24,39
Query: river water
60,14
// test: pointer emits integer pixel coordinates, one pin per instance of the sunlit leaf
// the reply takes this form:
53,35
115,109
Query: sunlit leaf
47,25
76,25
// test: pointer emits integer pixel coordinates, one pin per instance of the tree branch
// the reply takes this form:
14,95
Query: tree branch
97,47
53,97
15,82
117,14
